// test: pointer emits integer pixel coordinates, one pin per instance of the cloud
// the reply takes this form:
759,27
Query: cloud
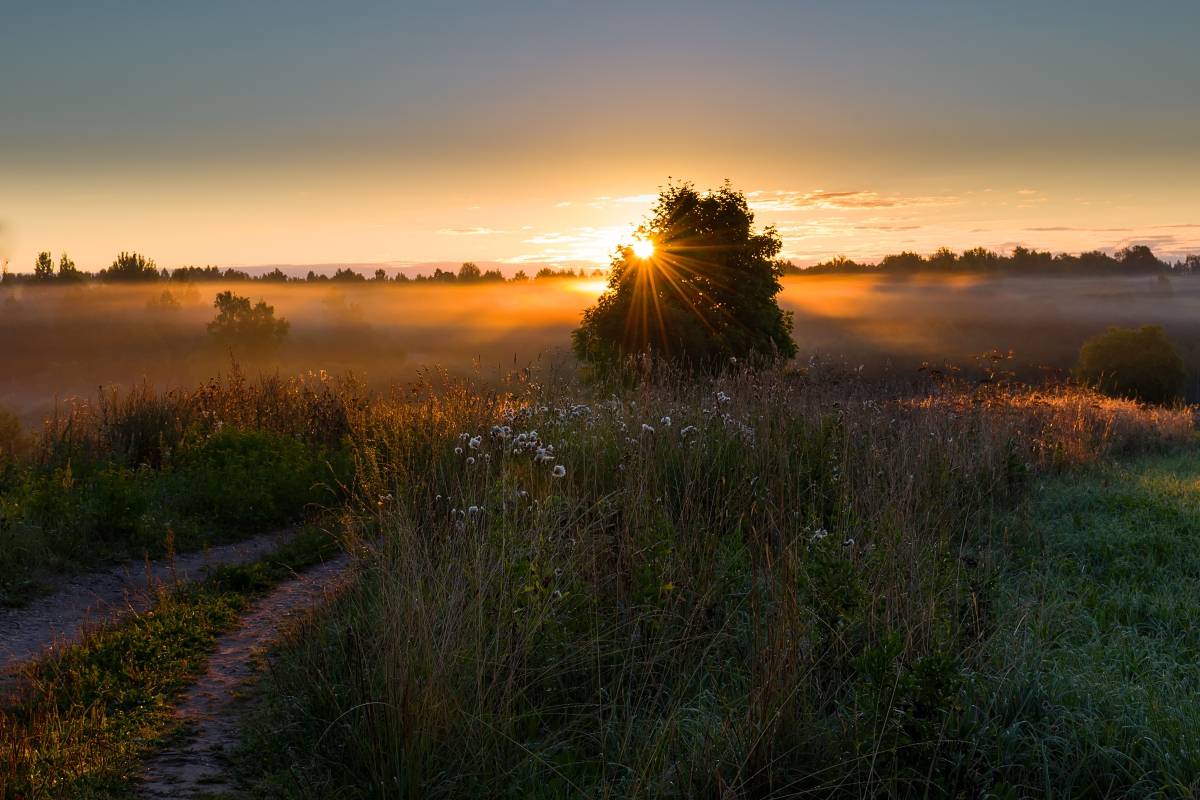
469,232
1027,192
1053,228
637,198
563,204
787,200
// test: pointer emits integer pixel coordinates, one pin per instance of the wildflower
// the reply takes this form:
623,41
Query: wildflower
665,422
647,428
559,471
458,451
473,510
470,460
723,398
475,442
819,534
687,429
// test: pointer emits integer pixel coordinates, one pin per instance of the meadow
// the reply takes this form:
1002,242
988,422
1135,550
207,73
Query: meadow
844,576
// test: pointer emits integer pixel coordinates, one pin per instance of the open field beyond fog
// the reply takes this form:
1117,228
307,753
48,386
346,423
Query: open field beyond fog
64,341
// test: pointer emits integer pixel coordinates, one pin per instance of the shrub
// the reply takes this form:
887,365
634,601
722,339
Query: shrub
1137,364
10,435
248,478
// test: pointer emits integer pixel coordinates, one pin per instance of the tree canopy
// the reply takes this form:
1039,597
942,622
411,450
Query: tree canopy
704,294
240,324
131,267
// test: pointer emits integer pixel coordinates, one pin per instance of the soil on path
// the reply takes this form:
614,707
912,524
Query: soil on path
195,764
60,618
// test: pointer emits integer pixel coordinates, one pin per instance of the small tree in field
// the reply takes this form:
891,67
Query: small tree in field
698,286
239,324
1139,364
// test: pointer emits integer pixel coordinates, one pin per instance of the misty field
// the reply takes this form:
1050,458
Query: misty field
66,341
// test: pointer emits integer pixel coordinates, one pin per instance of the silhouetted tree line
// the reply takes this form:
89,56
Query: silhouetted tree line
135,268
1135,260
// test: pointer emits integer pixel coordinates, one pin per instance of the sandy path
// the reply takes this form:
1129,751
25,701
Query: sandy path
194,765
60,618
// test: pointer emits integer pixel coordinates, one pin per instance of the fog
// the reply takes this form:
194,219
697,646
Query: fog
59,342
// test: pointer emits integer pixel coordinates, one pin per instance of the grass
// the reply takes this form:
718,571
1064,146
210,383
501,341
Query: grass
767,584
1098,655
89,713
119,479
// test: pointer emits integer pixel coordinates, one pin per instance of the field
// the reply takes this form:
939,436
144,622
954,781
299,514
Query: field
842,576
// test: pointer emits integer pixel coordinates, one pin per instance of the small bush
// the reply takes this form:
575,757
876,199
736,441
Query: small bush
10,435
249,478
1137,364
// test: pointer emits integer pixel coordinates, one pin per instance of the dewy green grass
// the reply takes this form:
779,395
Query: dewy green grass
1099,691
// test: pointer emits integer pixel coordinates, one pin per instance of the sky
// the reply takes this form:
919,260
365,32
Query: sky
247,133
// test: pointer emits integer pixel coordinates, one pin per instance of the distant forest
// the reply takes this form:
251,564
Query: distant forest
136,268
1135,260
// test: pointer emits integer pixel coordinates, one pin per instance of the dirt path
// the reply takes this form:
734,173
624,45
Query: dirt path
194,765
60,618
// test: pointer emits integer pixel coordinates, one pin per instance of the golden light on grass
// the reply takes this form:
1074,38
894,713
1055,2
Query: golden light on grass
643,248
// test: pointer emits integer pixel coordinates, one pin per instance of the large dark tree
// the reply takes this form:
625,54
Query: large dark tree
706,293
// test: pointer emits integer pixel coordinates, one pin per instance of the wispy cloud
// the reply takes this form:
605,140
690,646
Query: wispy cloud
469,232
637,198
787,200
1057,228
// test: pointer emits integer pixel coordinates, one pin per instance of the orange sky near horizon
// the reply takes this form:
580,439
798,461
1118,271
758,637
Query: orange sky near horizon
539,133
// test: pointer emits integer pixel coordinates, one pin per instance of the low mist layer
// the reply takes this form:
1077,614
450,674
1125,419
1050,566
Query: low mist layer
66,341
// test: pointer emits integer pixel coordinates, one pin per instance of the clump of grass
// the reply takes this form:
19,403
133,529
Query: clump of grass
87,715
765,584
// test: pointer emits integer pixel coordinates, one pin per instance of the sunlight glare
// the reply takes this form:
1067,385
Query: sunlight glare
643,248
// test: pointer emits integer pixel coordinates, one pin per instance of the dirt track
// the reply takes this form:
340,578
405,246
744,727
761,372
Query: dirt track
60,618
194,764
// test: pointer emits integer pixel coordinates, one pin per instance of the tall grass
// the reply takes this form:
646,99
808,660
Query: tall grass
765,584
119,475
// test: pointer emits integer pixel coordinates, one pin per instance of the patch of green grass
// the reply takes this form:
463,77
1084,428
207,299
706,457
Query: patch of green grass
216,489
1098,650
90,713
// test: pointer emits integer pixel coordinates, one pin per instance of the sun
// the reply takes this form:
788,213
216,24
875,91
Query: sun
643,248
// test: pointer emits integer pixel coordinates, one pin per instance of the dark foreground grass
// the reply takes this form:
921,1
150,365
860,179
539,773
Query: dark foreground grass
132,475
88,714
766,585
1098,643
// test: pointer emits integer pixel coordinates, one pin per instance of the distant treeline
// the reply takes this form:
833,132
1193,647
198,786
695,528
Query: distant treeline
136,268
1135,260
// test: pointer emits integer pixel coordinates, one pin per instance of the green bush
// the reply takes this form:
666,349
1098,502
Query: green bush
1139,364
10,436
249,478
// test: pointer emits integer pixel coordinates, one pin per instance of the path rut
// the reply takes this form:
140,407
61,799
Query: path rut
60,618
194,764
